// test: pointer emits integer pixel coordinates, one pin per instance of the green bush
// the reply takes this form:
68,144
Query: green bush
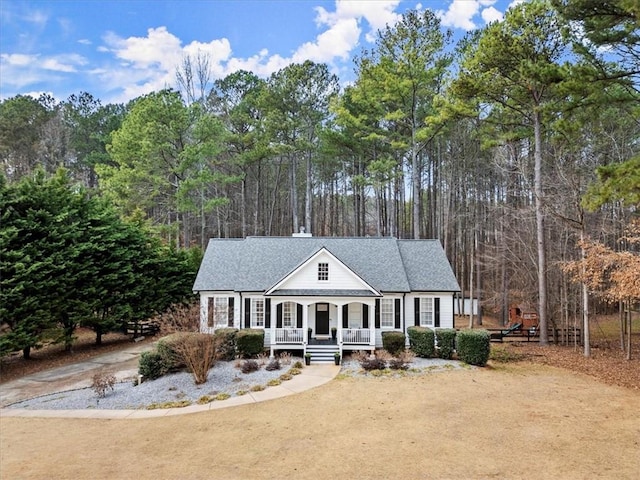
446,339
473,346
166,348
227,343
152,365
393,342
422,341
250,342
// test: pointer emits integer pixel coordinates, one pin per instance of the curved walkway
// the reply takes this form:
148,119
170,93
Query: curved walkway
123,365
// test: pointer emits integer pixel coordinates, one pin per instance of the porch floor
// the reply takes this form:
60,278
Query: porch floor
323,341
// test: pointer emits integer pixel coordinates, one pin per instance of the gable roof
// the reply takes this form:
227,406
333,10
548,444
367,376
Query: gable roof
365,289
255,264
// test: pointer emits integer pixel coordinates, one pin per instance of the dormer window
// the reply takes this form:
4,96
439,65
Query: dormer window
323,272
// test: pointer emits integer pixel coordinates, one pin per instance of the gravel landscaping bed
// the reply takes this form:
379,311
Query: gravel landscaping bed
178,389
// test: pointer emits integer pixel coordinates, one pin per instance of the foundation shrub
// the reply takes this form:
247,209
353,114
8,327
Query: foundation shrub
473,346
373,363
446,339
250,342
249,366
422,341
393,342
227,344
152,365
199,352
166,347
273,365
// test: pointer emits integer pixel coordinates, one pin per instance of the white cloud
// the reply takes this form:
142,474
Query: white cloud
377,13
337,42
460,14
491,15
63,63
18,59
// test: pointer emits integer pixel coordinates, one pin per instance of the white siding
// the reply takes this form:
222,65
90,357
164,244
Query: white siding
340,277
446,308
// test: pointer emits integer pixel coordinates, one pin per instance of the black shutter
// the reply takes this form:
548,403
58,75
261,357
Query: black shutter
267,313
436,311
365,316
299,315
230,313
417,312
397,314
376,313
279,316
247,313
345,316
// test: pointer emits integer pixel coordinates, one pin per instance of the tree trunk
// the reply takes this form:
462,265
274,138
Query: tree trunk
540,234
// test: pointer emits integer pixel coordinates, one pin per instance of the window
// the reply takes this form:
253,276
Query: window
257,312
323,272
289,311
218,312
426,312
386,313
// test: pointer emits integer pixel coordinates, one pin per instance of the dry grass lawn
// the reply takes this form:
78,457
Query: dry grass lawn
508,421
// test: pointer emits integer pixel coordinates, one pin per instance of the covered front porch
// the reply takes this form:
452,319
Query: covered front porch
329,324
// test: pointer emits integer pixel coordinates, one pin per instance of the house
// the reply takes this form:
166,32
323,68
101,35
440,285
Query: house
324,295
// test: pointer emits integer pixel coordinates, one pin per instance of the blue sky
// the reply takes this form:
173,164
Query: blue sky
120,49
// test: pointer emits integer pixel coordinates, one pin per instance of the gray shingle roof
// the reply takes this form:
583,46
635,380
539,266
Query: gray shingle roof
255,264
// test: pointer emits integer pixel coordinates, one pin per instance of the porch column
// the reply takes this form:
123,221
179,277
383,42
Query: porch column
372,324
305,324
272,327
339,325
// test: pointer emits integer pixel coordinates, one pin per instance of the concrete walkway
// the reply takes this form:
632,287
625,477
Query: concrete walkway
124,365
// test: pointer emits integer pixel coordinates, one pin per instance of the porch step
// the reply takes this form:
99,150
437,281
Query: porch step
322,353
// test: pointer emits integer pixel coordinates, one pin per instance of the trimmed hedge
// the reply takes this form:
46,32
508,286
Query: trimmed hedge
152,365
227,343
474,346
393,342
446,339
250,342
422,341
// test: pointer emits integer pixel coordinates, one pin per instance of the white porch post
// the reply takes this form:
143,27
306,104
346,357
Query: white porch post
272,327
372,324
305,326
339,325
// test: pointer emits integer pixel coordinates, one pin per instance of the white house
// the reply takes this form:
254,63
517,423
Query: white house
325,295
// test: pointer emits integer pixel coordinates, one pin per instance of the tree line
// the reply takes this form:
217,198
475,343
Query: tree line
489,145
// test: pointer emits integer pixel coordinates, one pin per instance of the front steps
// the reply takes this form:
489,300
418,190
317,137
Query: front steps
323,353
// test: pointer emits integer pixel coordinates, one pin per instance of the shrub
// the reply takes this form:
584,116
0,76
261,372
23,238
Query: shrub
474,346
101,382
198,351
166,347
227,343
285,358
422,341
393,342
374,363
249,366
297,364
152,365
250,342
446,338
360,355
273,365
402,361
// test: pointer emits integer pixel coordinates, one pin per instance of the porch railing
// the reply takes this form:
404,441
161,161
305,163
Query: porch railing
356,335
289,335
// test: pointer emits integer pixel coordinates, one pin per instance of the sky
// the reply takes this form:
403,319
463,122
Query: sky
118,50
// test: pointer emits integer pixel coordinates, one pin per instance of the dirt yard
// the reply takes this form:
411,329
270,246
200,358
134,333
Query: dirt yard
509,421
526,419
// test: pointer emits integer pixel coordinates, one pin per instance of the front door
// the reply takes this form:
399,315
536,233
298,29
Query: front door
322,319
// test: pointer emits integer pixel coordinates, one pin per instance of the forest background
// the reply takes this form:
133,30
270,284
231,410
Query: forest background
518,148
